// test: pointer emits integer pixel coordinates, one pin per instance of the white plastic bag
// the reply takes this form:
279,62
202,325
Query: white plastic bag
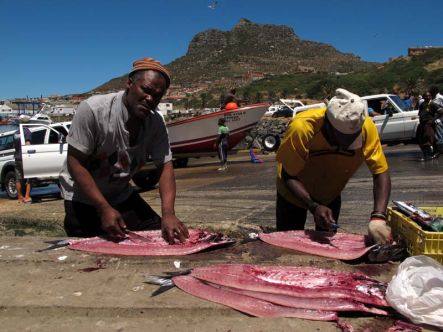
416,291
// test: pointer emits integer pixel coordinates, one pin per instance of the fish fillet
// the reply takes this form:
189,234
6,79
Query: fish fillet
247,304
307,282
344,246
198,240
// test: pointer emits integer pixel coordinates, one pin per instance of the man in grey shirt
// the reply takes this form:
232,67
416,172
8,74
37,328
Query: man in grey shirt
109,140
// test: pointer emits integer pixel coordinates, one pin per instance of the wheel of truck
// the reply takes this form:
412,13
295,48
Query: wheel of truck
271,142
180,163
11,191
146,179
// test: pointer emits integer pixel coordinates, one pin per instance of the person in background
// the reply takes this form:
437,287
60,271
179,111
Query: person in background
322,149
425,129
254,158
230,101
222,144
110,138
19,163
407,101
372,113
436,108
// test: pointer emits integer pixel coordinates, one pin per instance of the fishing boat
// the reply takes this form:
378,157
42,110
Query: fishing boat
196,137
198,134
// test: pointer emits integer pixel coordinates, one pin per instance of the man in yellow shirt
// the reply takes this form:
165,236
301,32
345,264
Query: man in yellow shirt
322,149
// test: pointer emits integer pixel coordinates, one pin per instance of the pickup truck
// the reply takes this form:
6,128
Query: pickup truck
41,159
396,124
44,157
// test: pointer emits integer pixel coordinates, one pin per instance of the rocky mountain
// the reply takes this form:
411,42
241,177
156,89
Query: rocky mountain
251,47
215,55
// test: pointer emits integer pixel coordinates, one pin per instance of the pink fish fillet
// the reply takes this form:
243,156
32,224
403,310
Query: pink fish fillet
328,304
307,282
246,304
198,240
344,246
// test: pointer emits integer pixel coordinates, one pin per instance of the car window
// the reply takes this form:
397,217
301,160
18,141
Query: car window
38,136
61,129
397,100
54,137
390,107
7,142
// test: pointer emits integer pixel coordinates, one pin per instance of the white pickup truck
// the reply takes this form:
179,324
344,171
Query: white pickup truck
41,159
396,124
44,157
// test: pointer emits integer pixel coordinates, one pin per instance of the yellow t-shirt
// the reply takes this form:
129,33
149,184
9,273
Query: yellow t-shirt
324,169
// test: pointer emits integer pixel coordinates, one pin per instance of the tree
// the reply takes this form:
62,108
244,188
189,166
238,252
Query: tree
204,100
284,93
246,94
412,85
258,97
271,95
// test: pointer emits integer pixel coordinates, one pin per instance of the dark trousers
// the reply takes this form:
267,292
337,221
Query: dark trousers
291,217
82,220
222,151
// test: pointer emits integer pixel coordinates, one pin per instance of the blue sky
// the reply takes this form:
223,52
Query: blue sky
61,47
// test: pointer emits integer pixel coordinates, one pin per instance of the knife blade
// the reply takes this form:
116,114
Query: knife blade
133,235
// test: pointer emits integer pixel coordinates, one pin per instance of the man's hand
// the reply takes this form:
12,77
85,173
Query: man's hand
379,232
172,228
323,217
112,223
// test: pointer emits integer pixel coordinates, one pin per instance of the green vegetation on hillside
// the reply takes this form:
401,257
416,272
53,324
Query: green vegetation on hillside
407,74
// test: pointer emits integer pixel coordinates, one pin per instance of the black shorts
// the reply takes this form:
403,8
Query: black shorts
82,220
291,217
18,167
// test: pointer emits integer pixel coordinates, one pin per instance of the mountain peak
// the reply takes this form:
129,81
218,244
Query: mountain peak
263,49
244,21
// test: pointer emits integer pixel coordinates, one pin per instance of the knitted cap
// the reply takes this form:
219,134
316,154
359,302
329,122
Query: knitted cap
151,64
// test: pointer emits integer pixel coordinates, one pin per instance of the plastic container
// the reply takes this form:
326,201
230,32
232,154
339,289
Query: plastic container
418,241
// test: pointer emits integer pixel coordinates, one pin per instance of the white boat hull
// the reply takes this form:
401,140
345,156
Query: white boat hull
199,133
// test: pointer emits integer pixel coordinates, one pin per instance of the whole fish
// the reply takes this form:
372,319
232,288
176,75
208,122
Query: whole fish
382,253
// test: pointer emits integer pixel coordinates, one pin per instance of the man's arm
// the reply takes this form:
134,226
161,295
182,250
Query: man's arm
112,222
378,231
382,191
172,227
322,214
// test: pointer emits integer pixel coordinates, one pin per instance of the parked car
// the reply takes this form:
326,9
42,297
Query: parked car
396,123
283,111
38,162
291,103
